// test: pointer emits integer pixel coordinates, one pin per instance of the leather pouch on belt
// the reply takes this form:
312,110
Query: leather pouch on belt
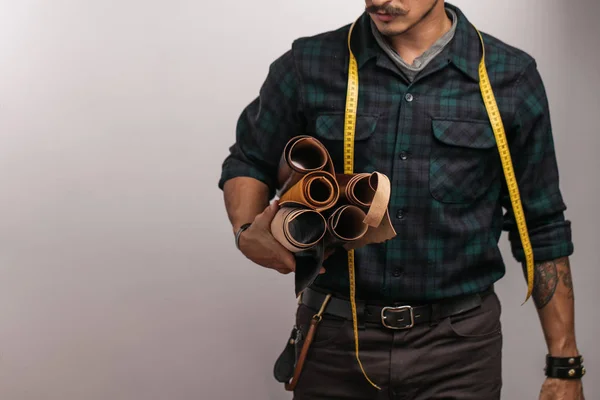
286,362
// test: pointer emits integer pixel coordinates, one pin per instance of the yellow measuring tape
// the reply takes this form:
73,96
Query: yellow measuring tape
499,132
349,128
509,173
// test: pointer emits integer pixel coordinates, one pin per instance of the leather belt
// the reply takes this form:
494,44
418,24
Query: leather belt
396,317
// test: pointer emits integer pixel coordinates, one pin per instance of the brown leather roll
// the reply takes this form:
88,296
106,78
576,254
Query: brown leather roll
302,155
354,207
357,189
298,229
316,190
371,192
346,225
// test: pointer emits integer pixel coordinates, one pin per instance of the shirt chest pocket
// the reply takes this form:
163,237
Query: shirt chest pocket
463,161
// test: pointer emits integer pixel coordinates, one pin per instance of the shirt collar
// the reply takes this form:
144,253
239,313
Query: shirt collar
464,51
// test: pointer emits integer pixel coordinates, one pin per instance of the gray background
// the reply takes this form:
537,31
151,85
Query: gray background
118,275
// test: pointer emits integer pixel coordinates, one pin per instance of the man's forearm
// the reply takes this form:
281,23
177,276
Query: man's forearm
554,299
244,198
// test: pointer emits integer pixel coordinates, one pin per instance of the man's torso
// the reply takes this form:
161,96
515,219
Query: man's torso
433,139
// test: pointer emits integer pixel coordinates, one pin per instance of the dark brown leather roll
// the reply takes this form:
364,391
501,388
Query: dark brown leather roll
302,155
357,189
346,224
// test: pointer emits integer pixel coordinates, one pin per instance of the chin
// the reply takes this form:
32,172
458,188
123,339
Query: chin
391,29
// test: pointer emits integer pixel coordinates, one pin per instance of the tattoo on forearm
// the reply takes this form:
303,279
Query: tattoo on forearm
566,278
545,282
547,276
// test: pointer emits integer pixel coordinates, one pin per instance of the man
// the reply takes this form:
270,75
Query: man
421,121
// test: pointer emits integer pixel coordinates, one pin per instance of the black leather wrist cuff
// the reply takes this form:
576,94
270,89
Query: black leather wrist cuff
564,367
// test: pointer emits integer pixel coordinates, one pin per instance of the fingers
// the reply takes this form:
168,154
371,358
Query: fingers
286,267
282,259
287,259
283,271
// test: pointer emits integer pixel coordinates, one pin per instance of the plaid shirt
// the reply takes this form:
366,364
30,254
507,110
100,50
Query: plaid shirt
434,141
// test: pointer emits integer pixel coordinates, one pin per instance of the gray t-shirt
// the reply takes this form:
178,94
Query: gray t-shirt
411,70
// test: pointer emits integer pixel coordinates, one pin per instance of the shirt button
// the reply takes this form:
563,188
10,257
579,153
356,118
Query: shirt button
400,214
403,155
409,97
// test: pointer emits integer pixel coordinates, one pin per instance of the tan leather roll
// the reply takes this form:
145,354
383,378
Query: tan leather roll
368,191
316,190
302,155
298,229
346,224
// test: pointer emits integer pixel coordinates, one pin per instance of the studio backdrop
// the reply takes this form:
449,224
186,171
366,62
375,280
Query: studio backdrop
119,278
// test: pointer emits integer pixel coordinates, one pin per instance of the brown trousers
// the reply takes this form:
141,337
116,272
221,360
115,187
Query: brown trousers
458,358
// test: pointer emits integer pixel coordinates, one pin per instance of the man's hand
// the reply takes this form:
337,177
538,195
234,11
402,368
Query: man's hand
258,244
560,389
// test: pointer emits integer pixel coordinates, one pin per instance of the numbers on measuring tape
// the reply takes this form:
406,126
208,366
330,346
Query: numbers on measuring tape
509,174
350,119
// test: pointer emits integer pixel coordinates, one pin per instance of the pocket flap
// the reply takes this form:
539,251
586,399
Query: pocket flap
472,134
331,126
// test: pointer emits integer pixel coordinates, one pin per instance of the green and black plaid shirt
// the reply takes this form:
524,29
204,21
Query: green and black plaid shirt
434,141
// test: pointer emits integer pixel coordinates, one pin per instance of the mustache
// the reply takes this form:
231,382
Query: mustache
385,9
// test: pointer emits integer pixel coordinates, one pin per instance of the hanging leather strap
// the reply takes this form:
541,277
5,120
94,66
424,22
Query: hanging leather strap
314,323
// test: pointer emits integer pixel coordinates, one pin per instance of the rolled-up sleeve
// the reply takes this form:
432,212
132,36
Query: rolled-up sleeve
266,125
536,170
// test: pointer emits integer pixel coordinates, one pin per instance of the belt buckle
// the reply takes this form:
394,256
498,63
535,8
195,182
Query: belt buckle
400,309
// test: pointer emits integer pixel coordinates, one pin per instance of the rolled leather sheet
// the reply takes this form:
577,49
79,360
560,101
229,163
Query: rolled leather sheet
354,207
345,224
301,231
302,155
357,189
371,192
345,228
298,229
316,190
